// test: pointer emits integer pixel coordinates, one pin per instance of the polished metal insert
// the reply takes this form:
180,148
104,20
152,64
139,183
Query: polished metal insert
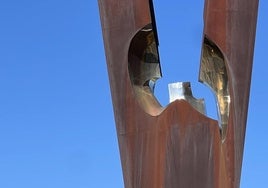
143,58
213,73
182,90
144,69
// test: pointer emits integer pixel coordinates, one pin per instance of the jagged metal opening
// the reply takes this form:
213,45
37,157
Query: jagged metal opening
213,73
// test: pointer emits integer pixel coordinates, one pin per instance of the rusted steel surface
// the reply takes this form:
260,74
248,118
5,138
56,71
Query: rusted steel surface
231,25
177,146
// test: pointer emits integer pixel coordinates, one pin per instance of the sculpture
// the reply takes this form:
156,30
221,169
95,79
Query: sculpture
177,145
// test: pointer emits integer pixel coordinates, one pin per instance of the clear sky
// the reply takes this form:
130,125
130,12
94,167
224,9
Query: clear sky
57,127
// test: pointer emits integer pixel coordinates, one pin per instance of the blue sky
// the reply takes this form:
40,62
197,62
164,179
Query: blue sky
56,119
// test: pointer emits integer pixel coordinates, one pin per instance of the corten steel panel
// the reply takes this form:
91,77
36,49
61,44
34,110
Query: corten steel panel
177,146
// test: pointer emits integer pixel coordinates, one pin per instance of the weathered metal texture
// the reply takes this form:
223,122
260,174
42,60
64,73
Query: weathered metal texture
177,146
231,25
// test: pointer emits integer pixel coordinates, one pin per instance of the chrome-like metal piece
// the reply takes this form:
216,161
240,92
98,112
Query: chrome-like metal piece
143,57
144,69
182,90
213,73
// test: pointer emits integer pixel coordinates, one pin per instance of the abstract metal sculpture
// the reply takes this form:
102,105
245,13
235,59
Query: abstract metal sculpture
177,145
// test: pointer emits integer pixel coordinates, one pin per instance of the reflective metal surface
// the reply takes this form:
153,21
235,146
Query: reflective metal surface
213,73
144,69
182,90
143,57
